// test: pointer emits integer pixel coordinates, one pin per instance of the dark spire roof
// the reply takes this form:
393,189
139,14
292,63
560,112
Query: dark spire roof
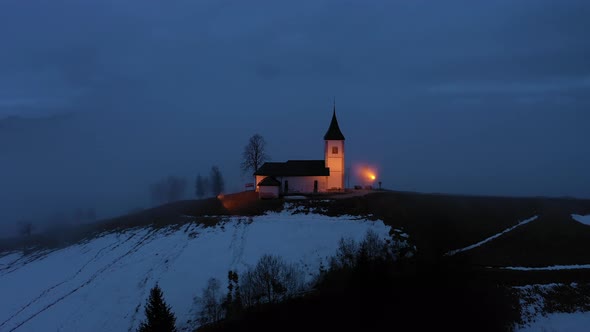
334,132
269,181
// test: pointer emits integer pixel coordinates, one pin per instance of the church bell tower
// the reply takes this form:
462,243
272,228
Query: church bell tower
334,154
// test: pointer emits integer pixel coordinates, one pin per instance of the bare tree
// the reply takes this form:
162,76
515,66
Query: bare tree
373,244
254,154
346,254
168,190
351,254
216,181
271,280
211,303
176,188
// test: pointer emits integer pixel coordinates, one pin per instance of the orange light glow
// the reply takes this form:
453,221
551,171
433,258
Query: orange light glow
237,202
367,174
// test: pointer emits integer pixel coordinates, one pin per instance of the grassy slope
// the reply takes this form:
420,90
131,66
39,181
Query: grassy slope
553,239
179,212
462,296
439,223
436,224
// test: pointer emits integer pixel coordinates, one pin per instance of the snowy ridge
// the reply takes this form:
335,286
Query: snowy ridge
102,284
560,321
535,317
547,268
581,219
453,252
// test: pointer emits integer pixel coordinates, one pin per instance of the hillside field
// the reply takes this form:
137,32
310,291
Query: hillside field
518,242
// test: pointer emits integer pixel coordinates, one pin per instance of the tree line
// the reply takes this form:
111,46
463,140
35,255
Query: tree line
271,281
374,284
211,185
173,188
166,190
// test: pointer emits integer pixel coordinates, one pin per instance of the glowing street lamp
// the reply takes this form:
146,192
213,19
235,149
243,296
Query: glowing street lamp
366,174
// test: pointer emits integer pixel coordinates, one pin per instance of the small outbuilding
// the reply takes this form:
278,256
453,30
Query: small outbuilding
269,187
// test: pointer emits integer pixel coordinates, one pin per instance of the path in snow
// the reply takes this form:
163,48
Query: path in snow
55,299
453,252
45,292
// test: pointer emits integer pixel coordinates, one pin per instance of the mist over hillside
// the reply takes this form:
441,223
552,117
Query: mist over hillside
454,97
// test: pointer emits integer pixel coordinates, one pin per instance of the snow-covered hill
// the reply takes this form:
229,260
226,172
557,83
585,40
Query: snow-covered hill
102,284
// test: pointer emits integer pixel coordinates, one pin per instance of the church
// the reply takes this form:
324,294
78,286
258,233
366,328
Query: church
306,176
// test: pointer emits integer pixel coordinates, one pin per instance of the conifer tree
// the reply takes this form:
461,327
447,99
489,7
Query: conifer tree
216,182
230,289
159,317
233,301
237,296
201,186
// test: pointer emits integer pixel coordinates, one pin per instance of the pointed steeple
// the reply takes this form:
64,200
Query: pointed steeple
334,133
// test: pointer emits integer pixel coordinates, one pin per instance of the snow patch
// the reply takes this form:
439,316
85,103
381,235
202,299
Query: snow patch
547,268
535,316
453,252
582,219
570,322
102,284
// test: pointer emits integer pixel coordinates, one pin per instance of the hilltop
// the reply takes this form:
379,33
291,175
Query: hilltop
515,242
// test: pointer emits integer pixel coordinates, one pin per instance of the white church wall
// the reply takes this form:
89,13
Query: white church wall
298,184
304,184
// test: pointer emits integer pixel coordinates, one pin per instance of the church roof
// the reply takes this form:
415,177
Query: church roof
334,132
294,168
269,181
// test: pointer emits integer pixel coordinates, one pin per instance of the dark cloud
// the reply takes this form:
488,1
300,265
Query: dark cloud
456,96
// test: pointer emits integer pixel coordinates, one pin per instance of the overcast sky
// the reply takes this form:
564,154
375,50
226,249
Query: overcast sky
100,98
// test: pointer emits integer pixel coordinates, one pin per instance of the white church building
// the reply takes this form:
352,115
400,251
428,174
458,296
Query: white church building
306,176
